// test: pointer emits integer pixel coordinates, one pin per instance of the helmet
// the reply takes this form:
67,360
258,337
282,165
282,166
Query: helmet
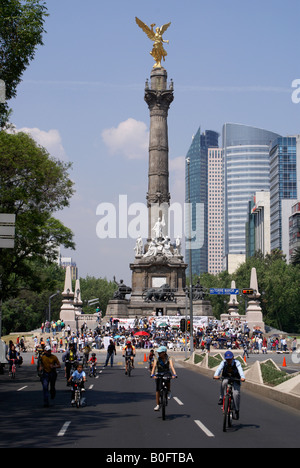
162,349
48,348
229,355
128,343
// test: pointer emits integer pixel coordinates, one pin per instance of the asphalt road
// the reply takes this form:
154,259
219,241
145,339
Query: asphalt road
119,414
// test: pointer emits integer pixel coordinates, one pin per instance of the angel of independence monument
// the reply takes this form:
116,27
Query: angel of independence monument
158,270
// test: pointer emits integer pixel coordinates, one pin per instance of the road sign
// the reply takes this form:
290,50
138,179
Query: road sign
224,292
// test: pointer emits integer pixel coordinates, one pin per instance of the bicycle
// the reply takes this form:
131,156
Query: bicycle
129,365
164,379
93,370
228,403
85,361
77,393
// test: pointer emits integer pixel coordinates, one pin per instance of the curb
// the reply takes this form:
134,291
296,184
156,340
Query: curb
291,400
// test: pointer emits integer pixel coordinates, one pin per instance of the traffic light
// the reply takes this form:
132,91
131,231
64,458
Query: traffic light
188,325
247,292
183,325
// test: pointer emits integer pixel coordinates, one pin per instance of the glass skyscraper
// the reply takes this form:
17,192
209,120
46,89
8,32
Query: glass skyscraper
197,183
283,187
246,170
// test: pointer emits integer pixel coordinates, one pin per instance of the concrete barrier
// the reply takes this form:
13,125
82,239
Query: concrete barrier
287,393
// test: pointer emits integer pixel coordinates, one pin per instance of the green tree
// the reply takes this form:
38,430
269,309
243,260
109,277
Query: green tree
21,31
279,286
33,186
30,308
223,280
92,288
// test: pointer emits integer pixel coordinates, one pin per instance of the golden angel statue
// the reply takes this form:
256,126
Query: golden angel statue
158,52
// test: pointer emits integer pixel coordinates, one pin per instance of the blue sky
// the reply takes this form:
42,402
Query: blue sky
83,96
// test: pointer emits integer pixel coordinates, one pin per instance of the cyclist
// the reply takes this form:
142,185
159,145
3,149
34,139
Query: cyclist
129,353
230,367
70,358
164,364
93,363
49,364
78,374
86,353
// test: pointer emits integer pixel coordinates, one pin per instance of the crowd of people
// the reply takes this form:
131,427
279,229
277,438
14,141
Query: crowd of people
77,347
147,333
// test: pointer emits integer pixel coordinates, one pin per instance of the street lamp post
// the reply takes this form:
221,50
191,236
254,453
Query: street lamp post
49,307
188,161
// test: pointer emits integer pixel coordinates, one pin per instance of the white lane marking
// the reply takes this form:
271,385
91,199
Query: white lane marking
204,429
90,387
22,388
64,429
178,401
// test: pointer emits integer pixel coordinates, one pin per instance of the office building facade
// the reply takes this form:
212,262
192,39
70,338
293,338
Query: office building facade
284,170
215,211
197,193
294,229
246,170
258,237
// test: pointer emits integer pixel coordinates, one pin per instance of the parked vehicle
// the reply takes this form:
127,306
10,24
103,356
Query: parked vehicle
3,359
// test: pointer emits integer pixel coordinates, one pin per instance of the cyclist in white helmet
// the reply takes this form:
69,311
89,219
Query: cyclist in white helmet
162,364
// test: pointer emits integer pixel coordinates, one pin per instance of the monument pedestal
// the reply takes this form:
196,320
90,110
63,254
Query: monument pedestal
202,308
117,308
254,316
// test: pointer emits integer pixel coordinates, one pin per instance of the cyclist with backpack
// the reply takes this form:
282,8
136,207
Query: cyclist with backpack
70,358
231,367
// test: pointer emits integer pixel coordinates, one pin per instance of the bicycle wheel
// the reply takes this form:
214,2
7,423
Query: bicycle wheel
225,412
230,411
164,403
77,398
129,367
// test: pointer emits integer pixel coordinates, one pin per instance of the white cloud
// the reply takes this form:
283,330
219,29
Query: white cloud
130,139
50,140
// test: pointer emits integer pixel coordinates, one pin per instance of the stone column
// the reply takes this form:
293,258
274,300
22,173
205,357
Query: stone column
159,98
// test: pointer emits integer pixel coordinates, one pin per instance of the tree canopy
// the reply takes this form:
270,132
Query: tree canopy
278,283
21,31
33,186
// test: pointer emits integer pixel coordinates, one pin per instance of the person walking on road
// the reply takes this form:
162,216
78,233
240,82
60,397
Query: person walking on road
49,364
111,352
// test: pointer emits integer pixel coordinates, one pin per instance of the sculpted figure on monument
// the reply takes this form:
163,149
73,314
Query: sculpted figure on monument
158,228
139,247
167,247
178,246
198,292
162,294
152,250
158,52
122,291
